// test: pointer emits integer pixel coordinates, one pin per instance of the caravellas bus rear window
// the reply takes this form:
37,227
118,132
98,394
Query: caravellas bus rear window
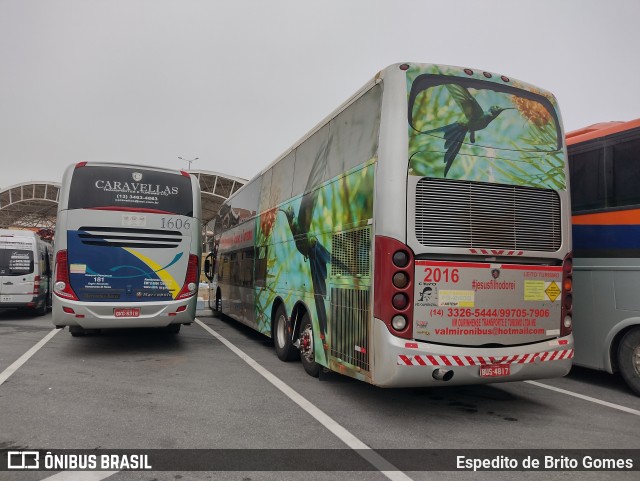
101,187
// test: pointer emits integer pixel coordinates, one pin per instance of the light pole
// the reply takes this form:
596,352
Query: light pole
188,160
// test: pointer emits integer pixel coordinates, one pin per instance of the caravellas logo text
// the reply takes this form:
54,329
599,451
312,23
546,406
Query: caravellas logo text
135,187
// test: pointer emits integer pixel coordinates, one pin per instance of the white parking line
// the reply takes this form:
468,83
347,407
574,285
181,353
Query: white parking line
6,374
80,476
586,398
343,434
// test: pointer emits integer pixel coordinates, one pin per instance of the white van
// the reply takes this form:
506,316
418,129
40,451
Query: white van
25,271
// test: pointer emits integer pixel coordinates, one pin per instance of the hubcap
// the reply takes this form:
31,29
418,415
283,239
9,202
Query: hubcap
306,344
281,331
635,360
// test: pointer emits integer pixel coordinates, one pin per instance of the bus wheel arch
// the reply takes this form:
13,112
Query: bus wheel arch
628,357
281,333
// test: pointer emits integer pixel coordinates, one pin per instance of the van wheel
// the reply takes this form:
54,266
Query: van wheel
77,331
629,359
42,310
307,351
285,349
173,328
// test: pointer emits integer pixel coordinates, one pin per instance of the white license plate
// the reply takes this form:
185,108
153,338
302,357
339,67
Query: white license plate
495,370
127,312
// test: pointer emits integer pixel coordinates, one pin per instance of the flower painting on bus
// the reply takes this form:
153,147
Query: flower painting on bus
489,130
294,245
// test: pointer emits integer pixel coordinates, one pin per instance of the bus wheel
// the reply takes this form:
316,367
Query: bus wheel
77,331
629,359
285,349
307,353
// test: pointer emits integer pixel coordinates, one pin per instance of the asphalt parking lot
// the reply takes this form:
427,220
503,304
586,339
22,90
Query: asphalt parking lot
219,386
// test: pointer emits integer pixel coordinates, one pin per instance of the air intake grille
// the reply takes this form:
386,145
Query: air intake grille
452,213
351,253
124,237
349,327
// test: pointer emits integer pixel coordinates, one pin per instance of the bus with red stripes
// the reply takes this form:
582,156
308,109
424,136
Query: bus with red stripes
604,162
127,248
419,235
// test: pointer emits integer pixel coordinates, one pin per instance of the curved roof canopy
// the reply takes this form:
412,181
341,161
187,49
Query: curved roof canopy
31,204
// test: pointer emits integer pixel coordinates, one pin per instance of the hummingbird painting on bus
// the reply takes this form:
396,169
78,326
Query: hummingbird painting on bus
482,130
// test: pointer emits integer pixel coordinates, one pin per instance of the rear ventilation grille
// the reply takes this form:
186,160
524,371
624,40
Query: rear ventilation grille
349,327
124,237
452,213
351,253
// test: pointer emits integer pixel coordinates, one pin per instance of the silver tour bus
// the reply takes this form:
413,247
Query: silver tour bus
419,235
127,248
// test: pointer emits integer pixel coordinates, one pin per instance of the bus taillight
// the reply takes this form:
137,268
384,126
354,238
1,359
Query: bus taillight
566,325
393,286
190,286
62,286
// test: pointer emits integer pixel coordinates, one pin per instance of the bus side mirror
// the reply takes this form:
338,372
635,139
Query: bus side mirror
207,268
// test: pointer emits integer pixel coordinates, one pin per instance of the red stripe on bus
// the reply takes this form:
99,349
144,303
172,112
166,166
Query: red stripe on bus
532,268
451,264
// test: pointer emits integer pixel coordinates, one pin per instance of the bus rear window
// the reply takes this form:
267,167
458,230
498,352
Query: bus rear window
15,262
101,187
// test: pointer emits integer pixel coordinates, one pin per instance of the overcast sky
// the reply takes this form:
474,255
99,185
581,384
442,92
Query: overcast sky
237,82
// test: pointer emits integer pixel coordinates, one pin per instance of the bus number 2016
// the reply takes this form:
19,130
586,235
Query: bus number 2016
438,275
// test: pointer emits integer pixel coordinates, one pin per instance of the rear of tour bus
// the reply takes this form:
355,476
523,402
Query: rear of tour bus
127,248
24,271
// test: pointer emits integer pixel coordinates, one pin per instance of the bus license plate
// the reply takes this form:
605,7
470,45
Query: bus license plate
495,370
127,312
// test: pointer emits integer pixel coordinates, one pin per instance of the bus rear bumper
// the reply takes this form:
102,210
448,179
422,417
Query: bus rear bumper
97,315
409,363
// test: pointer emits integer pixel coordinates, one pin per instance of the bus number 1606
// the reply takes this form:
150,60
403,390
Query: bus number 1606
175,223
437,275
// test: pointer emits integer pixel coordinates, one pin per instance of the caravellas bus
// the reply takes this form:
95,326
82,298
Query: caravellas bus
127,247
419,235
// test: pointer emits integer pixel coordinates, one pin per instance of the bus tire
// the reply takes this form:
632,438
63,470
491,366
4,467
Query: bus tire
307,352
629,359
77,331
285,349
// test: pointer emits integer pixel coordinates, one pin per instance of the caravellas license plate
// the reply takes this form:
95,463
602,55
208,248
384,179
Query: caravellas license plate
495,370
127,312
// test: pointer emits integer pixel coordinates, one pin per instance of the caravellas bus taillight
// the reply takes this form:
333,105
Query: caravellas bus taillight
190,286
393,286
566,325
62,286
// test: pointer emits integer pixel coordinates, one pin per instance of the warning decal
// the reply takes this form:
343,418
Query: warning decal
552,290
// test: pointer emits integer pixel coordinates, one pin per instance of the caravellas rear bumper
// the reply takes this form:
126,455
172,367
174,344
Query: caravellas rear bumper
100,315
